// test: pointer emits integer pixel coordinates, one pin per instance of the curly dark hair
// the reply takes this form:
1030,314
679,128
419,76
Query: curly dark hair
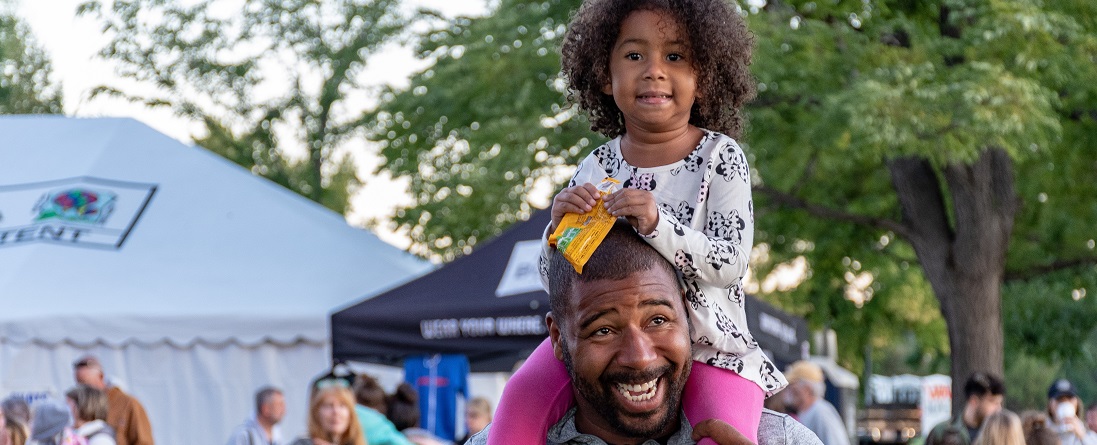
719,44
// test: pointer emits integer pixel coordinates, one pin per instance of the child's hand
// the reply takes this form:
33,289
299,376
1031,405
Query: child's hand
637,206
720,432
579,199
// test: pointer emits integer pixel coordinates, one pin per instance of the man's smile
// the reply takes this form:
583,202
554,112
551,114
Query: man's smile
639,392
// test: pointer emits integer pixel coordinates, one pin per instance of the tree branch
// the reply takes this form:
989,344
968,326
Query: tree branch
789,200
1044,269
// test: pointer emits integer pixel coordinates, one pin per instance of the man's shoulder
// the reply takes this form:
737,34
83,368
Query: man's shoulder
780,429
949,427
480,438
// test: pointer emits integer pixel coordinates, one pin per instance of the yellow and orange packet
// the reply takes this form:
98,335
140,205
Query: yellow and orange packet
578,235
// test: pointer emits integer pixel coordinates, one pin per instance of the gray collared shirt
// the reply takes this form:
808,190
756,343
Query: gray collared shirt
774,429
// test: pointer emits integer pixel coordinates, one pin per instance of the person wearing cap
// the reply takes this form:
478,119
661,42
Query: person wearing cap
804,395
1064,410
984,393
50,425
124,413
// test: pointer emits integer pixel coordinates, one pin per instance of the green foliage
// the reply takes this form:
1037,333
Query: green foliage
25,84
886,80
272,82
484,127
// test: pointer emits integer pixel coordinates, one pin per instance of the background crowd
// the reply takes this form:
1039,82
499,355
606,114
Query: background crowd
983,421
345,411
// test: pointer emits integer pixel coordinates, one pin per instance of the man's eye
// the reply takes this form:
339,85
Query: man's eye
602,331
632,56
659,320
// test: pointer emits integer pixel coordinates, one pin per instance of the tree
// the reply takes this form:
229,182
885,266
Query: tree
25,84
275,84
483,128
912,128
903,149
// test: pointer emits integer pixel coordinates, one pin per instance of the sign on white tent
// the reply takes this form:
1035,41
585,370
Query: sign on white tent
193,280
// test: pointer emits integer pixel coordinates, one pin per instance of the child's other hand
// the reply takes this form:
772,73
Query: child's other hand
720,432
637,206
578,199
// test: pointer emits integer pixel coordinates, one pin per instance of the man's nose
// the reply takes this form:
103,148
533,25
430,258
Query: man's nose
637,349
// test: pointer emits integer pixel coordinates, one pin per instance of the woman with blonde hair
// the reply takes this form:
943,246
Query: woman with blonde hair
332,420
1001,428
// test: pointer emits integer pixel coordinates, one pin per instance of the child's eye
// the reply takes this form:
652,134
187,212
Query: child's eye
675,57
632,56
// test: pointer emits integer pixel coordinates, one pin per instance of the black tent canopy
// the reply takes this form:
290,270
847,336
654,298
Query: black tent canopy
461,308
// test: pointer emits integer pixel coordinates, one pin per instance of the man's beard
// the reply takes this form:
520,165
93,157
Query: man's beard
600,395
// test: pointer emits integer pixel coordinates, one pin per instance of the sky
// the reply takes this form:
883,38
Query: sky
72,43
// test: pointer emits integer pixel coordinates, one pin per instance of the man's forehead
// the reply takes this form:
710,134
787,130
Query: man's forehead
649,284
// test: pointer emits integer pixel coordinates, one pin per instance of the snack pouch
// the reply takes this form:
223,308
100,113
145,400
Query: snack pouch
578,235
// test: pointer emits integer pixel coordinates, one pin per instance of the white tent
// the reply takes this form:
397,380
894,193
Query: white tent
193,280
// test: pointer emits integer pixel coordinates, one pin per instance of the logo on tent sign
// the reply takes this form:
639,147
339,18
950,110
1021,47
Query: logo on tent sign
81,212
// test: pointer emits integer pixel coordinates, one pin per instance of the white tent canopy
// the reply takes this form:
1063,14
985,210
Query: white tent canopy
195,281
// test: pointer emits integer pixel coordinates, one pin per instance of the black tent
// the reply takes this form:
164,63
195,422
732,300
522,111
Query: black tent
455,310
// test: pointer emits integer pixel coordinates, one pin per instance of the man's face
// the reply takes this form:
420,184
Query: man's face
986,405
626,345
90,376
274,408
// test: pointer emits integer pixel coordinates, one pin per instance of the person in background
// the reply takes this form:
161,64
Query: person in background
262,428
89,413
477,416
804,395
124,413
11,431
51,424
403,411
1035,425
332,420
16,408
1001,428
1091,417
371,406
1064,410
984,393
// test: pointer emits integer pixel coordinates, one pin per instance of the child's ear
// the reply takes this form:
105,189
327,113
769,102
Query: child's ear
607,89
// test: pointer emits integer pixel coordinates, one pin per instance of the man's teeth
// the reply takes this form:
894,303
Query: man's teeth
638,393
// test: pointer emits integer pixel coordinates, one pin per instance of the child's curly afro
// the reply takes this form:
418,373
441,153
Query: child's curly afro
719,47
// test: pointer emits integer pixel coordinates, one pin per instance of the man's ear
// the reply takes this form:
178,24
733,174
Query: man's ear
554,336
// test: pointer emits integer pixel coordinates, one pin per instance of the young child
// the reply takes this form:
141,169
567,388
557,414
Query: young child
666,79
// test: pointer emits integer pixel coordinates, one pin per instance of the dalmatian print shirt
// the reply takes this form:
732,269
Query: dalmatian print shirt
706,228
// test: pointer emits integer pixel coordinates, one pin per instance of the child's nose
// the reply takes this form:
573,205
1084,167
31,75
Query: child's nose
655,70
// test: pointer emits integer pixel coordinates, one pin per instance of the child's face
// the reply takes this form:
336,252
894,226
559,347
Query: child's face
651,75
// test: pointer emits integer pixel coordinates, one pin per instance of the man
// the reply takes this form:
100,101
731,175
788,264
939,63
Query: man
125,414
622,332
262,428
804,395
984,393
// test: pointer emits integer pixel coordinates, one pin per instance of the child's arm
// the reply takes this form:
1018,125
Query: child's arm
719,253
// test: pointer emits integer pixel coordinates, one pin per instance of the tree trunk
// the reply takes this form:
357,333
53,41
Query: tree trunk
964,259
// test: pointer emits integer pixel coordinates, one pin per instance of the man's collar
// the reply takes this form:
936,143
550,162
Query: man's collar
564,432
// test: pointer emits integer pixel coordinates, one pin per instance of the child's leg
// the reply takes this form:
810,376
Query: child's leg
535,398
717,393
